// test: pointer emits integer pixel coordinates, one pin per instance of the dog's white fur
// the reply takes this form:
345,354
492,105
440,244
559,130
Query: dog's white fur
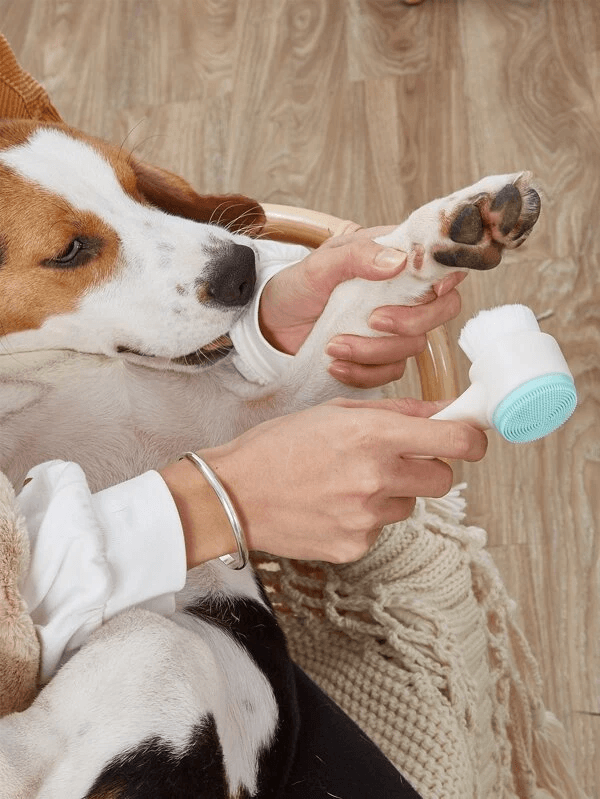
66,392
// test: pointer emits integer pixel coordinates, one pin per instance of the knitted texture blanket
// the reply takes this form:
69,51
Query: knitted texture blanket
417,642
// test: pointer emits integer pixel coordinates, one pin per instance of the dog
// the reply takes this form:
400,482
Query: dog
116,285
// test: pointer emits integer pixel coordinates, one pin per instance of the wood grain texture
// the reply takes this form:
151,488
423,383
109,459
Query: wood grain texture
366,109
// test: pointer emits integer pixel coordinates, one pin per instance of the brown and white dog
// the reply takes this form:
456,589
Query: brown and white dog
116,300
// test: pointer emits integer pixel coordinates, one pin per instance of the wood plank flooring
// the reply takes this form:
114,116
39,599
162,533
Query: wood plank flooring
366,109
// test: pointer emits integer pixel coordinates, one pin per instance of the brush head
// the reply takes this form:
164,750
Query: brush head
488,326
536,409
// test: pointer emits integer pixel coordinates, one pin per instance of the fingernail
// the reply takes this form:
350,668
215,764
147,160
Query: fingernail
442,287
339,370
342,351
380,322
389,260
449,283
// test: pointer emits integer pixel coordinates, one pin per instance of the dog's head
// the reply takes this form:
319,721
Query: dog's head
96,255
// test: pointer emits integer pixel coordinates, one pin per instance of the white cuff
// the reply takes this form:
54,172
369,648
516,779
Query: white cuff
255,359
95,555
144,544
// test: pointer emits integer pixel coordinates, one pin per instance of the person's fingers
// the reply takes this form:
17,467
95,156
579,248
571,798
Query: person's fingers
375,351
420,478
396,509
361,376
327,267
448,283
416,320
440,439
416,435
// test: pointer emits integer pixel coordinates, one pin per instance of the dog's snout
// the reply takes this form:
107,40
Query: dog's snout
234,278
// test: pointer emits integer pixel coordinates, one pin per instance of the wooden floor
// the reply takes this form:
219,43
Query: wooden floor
366,109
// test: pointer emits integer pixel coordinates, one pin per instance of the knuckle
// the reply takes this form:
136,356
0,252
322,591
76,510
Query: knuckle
419,344
350,554
408,406
398,370
410,324
363,379
360,250
481,447
409,508
349,549
461,440
369,485
454,304
445,480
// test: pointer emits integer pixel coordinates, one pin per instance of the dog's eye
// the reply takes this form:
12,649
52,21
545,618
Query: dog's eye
79,252
70,253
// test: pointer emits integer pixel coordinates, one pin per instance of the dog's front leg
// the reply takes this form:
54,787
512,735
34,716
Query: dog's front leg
466,230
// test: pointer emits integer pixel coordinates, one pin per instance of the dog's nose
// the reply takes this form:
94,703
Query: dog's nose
234,279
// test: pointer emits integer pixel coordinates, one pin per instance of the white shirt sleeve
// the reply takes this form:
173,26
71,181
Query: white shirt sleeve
94,555
255,359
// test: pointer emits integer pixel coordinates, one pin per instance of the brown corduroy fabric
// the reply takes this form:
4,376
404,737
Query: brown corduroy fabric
21,96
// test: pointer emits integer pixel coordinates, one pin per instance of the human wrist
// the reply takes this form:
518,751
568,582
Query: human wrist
256,356
206,529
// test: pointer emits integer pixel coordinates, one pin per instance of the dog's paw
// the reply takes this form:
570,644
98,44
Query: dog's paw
470,228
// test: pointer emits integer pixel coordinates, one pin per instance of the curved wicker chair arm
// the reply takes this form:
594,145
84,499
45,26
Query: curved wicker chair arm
437,369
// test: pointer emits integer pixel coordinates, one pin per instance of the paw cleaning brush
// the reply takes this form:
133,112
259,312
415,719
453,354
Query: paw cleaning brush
520,381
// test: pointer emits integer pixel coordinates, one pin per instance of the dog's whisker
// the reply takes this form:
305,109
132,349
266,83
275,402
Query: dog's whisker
142,143
232,222
247,212
143,119
223,205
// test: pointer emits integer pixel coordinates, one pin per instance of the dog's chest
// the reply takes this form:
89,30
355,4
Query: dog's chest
114,420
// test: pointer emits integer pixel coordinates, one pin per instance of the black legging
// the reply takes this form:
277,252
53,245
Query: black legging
334,758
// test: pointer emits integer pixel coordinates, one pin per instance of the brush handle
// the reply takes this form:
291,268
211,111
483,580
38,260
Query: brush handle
470,407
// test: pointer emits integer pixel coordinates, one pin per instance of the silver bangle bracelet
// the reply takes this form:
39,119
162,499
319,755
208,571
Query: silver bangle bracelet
233,561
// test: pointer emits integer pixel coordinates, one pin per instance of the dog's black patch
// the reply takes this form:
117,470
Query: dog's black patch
3,251
508,200
153,770
467,228
255,628
480,258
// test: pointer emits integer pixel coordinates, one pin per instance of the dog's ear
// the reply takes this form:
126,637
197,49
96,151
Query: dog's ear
175,196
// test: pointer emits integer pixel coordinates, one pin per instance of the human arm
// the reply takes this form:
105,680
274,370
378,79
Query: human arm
320,484
315,485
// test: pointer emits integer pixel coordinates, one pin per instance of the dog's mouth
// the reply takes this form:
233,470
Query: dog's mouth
205,356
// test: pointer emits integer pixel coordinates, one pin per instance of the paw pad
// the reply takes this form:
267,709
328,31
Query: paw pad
489,222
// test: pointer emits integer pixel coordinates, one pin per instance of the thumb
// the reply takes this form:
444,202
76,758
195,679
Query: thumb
328,267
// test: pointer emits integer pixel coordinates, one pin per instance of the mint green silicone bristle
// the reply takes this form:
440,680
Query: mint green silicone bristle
536,408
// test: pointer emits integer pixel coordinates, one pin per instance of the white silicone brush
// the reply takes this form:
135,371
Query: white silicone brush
520,381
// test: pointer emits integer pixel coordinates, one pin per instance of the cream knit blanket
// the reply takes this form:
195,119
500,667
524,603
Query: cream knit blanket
418,644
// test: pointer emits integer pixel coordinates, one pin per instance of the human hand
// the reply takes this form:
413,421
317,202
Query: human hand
320,484
293,300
